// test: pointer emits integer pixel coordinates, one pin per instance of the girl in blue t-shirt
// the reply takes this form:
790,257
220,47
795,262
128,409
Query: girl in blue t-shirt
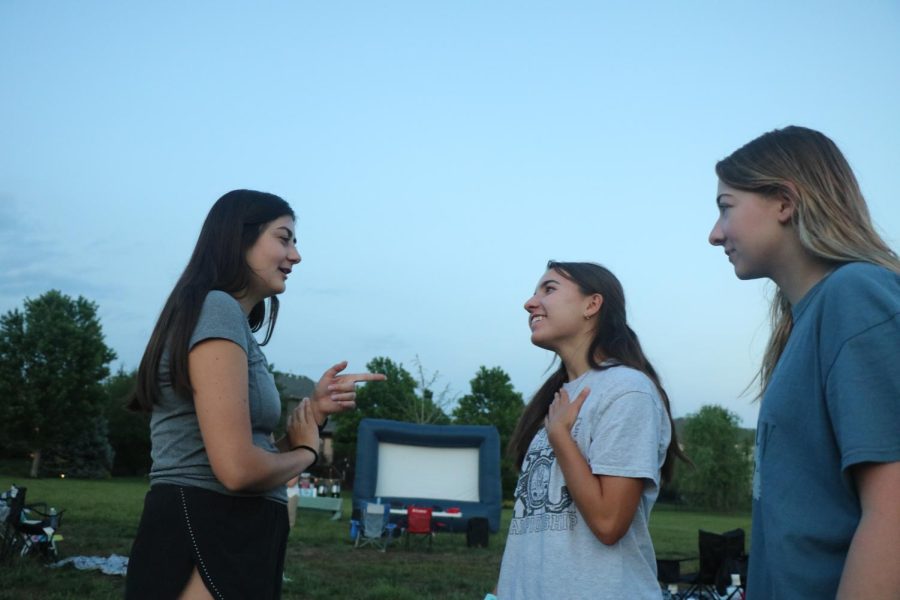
825,516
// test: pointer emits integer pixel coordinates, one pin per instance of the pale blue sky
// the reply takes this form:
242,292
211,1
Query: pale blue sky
436,154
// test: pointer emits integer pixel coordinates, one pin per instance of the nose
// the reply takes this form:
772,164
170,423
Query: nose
531,303
294,255
716,237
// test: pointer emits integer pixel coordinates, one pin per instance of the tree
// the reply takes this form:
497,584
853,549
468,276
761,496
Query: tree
722,457
493,401
426,407
85,453
52,361
129,431
396,399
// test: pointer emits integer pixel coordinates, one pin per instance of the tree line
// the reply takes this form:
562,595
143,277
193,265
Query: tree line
61,405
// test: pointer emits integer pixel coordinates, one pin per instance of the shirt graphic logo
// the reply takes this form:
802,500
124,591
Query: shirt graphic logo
536,509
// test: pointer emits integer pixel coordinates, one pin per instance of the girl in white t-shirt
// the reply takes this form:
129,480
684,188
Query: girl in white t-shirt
594,445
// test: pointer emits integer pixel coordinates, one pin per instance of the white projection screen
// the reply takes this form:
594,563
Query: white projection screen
427,472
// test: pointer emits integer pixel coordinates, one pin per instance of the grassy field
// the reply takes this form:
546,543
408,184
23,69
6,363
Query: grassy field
101,518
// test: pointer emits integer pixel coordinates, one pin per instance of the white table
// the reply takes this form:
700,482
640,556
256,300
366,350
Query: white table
334,505
435,514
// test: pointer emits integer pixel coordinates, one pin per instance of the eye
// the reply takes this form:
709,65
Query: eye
285,240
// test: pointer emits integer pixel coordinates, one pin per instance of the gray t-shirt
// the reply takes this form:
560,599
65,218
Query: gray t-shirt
179,456
622,430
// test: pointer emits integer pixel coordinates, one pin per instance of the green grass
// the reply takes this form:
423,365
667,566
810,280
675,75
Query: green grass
101,518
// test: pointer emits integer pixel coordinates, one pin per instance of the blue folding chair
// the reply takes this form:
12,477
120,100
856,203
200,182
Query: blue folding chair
375,528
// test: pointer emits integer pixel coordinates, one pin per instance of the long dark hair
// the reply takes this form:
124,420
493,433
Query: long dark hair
218,262
614,339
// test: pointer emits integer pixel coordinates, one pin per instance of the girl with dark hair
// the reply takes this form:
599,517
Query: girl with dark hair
826,521
594,445
214,523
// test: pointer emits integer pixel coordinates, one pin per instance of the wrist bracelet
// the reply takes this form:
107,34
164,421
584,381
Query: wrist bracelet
305,447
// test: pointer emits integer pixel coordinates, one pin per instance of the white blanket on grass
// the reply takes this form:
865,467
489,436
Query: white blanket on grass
113,565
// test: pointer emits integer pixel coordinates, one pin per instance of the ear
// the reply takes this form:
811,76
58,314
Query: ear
595,301
787,202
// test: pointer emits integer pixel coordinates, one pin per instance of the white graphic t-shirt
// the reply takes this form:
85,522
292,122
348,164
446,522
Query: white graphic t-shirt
622,430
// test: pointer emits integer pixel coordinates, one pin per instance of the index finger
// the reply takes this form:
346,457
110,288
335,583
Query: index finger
360,377
582,396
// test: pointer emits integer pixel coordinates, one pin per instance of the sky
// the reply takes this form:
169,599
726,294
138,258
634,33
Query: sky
436,154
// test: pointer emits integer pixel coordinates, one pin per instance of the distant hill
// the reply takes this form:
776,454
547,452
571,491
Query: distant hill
294,385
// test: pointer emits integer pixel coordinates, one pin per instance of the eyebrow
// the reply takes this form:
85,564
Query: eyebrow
288,230
546,282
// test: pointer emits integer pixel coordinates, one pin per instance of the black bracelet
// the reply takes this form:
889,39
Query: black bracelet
314,453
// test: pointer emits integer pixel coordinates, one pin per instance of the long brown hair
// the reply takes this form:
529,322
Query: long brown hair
613,339
830,214
218,262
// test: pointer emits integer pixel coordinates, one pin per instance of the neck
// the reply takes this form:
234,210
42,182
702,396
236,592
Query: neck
246,301
574,357
796,277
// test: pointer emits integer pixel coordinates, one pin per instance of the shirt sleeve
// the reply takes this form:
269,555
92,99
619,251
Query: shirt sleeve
625,438
863,395
221,318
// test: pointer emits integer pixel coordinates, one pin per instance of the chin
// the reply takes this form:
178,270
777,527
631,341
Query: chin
537,341
745,275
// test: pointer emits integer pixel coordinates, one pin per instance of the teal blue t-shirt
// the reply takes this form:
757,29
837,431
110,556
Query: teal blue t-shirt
833,402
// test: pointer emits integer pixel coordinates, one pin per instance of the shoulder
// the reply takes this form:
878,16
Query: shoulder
222,317
219,301
863,282
618,381
221,308
626,400
858,296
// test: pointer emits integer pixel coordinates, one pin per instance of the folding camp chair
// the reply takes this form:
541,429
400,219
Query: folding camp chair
418,522
668,573
720,556
11,505
27,529
375,528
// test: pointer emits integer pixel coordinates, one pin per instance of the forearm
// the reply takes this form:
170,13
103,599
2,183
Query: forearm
608,517
255,470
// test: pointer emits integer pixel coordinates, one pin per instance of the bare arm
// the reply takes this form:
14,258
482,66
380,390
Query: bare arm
218,372
872,570
606,503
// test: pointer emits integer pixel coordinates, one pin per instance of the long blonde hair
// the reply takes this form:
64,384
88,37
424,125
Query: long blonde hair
830,215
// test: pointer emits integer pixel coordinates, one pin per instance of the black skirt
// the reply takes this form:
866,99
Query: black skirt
236,543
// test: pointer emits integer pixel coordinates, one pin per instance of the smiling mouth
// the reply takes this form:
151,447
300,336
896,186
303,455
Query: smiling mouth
535,320
285,272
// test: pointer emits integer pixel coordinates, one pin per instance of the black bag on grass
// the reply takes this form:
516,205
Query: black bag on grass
477,532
